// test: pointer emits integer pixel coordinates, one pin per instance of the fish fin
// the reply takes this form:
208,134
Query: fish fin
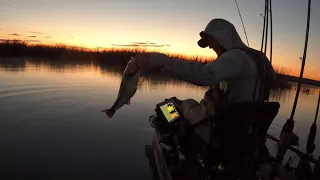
109,112
128,103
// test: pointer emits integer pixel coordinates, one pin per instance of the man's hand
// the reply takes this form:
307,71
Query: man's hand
150,61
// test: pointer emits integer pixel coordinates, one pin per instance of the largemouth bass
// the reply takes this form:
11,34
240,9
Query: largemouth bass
128,86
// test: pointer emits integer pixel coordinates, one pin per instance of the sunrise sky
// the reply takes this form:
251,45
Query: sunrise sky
172,24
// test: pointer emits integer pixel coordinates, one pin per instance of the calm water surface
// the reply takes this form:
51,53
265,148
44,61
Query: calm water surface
51,126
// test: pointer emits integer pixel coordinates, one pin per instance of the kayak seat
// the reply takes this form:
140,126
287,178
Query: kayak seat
242,128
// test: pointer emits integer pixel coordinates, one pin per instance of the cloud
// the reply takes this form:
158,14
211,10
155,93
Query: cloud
142,44
34,41
47,37
10,40
14,34
35,32
32,36
18,40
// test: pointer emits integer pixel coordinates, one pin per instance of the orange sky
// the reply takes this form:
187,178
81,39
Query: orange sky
100,23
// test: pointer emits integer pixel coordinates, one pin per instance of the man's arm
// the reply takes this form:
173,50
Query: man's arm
231,64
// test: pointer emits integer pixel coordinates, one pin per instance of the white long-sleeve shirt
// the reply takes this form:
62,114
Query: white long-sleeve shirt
234,70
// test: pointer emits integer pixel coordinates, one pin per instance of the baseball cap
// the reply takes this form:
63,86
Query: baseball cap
205,38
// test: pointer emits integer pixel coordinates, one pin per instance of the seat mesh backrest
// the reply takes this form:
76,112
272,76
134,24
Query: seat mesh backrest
243,123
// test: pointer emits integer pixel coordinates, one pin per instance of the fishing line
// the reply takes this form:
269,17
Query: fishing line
244,29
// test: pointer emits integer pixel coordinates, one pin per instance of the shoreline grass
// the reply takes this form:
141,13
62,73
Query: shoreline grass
18,48
108,56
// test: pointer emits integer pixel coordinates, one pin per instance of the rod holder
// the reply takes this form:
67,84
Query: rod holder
311,138
316,171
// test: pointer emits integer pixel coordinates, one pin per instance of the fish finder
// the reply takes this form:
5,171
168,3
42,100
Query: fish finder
168,112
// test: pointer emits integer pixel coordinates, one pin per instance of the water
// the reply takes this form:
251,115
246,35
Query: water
51,126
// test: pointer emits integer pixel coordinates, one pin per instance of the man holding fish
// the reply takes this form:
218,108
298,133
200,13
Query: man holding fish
233,76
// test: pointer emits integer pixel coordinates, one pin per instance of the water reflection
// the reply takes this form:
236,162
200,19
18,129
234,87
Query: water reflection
12,64
96,73
149,80
51,119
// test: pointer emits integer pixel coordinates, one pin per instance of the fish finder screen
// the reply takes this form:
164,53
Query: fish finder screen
170,112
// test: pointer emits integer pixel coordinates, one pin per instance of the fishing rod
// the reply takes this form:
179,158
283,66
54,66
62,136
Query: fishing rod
310,143
313,131
303,63
269,9
286,133
316,116
271,30
304,169
267,27
264,24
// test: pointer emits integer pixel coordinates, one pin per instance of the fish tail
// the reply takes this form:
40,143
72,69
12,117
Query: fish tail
109,112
